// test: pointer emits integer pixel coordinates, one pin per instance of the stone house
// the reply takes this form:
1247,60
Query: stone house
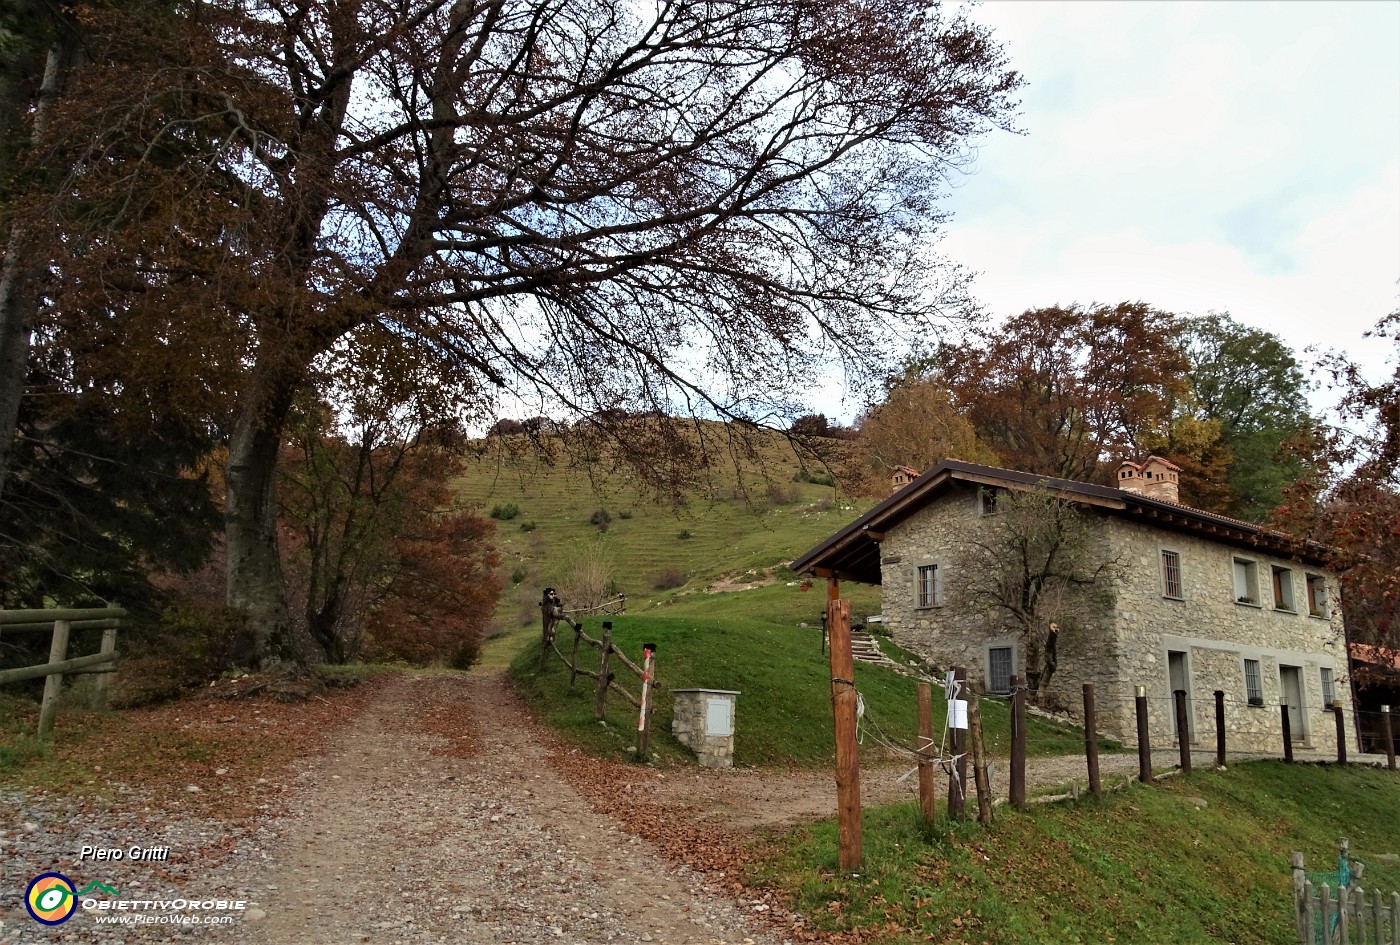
1203,603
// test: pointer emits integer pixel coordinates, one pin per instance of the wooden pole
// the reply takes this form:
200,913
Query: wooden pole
1018,743
1388,735
644,710
927,801
1300,910
600,702
53,683
1341,732
1219,728
573,656
547,621
957,778
1143,739
1287,733
1091,741
100,684
979,762
843,707
77,664
1183,733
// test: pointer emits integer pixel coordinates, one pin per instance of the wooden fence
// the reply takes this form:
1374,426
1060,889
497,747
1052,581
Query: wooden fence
61,623
1347,914
609,659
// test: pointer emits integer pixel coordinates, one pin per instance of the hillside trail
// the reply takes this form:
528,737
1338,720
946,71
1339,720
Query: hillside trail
465,833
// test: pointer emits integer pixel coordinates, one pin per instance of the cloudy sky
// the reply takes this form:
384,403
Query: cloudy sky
1227,156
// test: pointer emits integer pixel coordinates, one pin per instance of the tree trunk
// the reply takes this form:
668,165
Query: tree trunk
19,271
255,582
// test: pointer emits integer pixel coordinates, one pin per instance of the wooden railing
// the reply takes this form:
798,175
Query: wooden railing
61,623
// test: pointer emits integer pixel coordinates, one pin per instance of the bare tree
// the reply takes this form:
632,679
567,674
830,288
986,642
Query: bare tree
1036,568
678,208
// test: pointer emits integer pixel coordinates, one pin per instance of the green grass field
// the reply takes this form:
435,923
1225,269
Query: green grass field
1188,861
750,641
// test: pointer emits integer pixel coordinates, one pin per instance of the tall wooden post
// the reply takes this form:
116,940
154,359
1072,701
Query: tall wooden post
1018,743
600,702
1388,735
843,707
1219,728
644,714
548,619
573,657
979,762
1091,741
957,778
1341,732
927,808
1183,731
1143,738
53,683
100,684
1300,909
1287,733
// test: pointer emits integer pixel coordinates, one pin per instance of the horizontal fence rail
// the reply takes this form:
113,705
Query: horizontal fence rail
61,622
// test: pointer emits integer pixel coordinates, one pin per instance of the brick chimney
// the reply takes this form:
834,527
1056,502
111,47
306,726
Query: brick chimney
1160,479
901,477
1130,477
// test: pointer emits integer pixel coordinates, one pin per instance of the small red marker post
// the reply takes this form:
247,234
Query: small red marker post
644,715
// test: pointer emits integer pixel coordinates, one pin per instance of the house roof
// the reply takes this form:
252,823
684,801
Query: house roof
854,551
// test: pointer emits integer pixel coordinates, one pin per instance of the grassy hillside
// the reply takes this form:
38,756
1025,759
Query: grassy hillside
751,641
1191,860
747,516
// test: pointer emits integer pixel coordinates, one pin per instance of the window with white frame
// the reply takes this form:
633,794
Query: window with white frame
1253,687
1171,574
1317,595
1246,581
1329,691
929,592
999,670
1283,588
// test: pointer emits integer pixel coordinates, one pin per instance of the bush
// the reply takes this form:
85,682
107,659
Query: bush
815,478
625,514
684,534
519,574
667,578
528,526
600,518
779,494
505,512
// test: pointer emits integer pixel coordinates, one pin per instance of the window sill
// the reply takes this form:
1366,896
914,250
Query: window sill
928,606
1172,597
1285,610
1249,603
1320,616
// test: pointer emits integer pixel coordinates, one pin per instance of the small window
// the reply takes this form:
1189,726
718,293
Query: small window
1283,588
1329,691
930,587
1246,582
999,670
1317,595
1252,687
1171,575
991,496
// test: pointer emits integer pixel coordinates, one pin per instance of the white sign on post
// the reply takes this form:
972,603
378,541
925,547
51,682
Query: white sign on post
957,718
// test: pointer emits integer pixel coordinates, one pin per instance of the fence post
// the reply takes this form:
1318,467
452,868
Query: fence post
53,683
927,801
1287,733
1300,911
1018,743
548,620
644,715
1091,741
979,761
843,707
1389,737
1220,728
600,704
1183,731
1144,743
573,657
1341,733
957,778
109,646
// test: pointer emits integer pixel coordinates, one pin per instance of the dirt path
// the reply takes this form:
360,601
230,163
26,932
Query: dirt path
400,835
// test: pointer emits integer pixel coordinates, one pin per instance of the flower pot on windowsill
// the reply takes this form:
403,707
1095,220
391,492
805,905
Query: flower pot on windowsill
806,586
1245,600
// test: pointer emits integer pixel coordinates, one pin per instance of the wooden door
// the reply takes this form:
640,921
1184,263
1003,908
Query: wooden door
1291,686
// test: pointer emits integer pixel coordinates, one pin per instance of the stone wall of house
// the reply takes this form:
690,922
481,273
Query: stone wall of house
1129,644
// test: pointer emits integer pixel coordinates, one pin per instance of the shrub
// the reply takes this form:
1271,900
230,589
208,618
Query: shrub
519,574
667,578
625,514
779,494
815,478
505,512
823,505
600,518
684,534
528,526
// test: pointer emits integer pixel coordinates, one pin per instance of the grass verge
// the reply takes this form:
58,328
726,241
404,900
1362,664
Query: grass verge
1191,860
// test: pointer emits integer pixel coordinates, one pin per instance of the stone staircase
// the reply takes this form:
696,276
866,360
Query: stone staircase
866,650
